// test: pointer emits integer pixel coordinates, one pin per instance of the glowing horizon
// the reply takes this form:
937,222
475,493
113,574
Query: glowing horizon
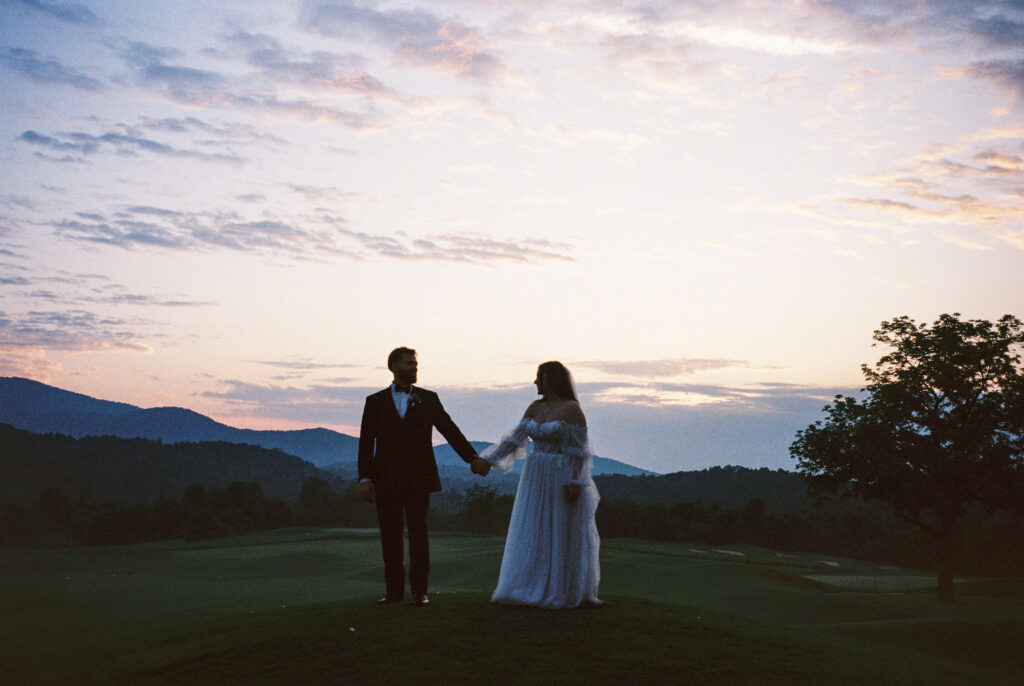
703,210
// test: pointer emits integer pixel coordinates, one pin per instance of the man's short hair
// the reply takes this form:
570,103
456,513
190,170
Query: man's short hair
397,354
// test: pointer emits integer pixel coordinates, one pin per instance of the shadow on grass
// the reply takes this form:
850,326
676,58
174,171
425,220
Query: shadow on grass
462,639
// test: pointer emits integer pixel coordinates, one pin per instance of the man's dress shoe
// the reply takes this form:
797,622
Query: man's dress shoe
387,600
420,599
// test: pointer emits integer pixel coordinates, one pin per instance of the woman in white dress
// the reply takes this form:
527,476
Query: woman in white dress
551,551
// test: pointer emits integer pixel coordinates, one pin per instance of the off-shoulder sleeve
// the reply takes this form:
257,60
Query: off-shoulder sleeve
576,447
512,446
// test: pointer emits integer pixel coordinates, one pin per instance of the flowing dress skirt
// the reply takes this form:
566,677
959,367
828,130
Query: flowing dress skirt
551,551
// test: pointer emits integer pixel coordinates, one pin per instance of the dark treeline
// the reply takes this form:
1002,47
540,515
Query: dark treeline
57,519
728,486
57,491
989,543
138,470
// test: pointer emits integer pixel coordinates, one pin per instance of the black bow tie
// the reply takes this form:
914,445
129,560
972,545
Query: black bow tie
403,389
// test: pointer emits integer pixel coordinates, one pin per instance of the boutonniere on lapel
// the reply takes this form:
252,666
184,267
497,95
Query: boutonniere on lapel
414,398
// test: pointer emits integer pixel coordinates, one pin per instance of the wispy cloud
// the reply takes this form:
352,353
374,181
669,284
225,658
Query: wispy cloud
131,228
672,44
31,363
999,163
57,288
414,37
299,363
47,70
152,68
71,331
761,397
636,31
928,196
323,404
18,200
319,71
223,133
324,237
997,29
184,84
1008,74
127,298
652,369
70,12
120,143
464,247
970,184
324,193
112,298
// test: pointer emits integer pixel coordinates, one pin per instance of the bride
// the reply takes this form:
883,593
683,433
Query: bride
551,552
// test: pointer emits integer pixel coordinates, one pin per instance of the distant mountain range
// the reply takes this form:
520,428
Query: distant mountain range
41,409
101,468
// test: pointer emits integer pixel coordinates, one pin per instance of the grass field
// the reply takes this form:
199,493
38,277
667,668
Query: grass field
295,607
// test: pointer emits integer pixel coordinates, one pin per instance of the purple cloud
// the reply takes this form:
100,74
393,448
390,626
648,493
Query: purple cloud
309,237
414,37
49,70
1009,74
70,330
70,12
121,143
205,88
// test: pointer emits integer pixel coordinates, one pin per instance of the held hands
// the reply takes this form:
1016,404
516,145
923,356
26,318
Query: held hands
367,492
480,466
572,492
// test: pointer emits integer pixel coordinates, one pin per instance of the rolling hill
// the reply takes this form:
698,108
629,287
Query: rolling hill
139,470
39,408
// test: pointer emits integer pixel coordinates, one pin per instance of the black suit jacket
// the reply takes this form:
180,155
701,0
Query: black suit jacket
397,453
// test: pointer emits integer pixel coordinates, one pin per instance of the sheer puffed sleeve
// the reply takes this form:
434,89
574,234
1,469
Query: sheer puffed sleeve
576,448
512,446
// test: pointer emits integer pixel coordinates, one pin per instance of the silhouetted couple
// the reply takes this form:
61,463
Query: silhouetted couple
551,551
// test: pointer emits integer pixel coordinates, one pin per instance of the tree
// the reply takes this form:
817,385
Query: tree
941,427
486,511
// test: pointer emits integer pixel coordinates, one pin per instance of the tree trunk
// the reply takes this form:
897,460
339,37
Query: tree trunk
945,564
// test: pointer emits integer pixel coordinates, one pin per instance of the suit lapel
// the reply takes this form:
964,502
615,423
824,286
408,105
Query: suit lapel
390,410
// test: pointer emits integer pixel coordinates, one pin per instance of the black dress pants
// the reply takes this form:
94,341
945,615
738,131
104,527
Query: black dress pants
396,507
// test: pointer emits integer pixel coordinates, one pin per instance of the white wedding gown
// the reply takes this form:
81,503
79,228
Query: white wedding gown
551,551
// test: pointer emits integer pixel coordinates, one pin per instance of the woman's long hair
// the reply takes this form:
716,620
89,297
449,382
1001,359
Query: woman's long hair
557,379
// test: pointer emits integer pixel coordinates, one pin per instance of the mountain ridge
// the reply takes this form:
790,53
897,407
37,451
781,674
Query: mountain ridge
141,470
40,408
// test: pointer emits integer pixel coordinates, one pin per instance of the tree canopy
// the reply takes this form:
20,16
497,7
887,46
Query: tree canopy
940,426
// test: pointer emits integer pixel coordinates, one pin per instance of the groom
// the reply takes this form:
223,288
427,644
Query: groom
397,470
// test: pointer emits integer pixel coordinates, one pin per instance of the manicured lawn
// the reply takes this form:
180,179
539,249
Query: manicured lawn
295,607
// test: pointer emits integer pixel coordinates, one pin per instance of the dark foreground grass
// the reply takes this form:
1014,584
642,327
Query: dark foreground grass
296,608
462,639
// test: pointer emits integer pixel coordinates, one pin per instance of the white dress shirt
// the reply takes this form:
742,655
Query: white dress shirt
401,399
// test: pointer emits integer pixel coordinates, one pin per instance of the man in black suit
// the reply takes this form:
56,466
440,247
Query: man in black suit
397,470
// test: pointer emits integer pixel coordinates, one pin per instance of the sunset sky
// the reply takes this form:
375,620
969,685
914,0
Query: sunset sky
702,208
